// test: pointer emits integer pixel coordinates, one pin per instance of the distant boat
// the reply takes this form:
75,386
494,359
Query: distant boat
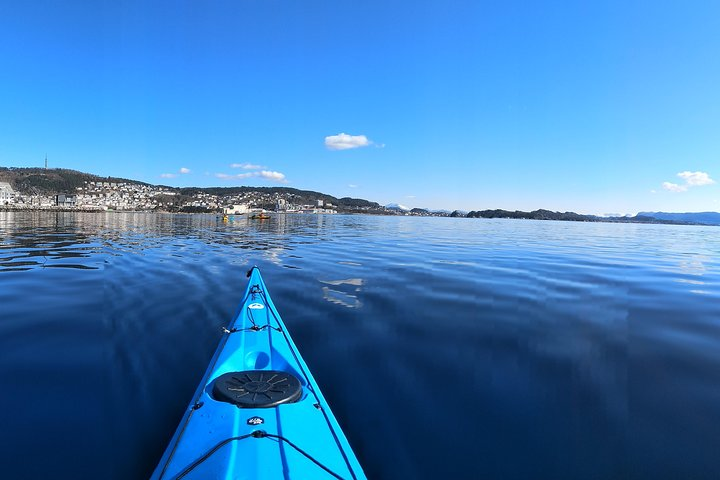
229,218
260,216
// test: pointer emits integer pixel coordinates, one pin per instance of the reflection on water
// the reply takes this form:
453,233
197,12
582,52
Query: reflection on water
53,239
50,240
448,348
347,298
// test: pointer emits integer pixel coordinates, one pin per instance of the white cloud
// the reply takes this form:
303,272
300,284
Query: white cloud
183,170
674,187
343,141
692,179
696,179
352,185
247,166
266,174
276,176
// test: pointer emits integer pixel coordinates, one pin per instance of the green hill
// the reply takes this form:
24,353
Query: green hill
51,181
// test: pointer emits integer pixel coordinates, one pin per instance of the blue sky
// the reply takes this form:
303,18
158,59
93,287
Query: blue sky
595,107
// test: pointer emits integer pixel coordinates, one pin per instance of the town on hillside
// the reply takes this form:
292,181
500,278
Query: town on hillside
59,189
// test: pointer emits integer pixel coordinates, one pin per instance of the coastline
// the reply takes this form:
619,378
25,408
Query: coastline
488,215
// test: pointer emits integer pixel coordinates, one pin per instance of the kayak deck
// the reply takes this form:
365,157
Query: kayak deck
258,413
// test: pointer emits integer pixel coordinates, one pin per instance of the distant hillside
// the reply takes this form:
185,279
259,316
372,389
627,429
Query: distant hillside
567,216
704,218
51,181
357,203
534,215
40,181
300,196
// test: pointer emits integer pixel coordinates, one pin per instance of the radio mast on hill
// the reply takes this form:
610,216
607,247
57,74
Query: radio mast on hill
46,161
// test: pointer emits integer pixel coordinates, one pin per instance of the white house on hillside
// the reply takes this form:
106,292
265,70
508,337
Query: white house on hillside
236,209
7,194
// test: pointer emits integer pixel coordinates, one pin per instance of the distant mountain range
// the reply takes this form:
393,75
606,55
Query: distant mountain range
703,218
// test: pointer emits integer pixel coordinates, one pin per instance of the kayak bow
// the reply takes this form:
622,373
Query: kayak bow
258,413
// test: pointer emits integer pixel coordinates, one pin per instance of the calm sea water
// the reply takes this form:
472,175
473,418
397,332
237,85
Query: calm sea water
447,348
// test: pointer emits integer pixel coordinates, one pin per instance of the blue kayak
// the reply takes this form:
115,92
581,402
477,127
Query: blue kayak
258,413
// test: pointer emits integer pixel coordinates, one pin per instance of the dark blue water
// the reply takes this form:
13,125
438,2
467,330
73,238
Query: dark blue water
447,348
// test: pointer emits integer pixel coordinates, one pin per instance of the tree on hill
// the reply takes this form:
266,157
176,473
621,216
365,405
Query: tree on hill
356,203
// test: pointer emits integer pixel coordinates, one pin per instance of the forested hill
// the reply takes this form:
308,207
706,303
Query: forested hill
41,181
51,181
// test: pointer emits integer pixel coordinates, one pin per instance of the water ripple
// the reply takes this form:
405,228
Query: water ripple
586,350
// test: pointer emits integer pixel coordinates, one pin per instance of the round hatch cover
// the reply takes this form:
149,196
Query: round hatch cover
257,388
